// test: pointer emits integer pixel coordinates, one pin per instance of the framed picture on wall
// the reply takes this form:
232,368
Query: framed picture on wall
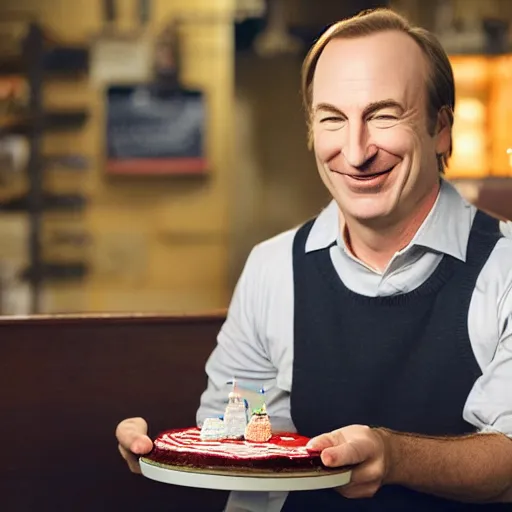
155,131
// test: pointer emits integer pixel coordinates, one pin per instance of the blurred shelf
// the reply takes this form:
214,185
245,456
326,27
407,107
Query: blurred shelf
34,58
11,66
57,271
60,61
66,60
65,119
13,125
49,202
52,121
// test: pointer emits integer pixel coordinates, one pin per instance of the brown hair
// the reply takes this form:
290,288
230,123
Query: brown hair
440,86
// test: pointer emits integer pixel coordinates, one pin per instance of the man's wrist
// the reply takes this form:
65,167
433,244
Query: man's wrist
391,454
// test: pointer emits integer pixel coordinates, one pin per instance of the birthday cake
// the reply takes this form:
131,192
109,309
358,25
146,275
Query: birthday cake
235,442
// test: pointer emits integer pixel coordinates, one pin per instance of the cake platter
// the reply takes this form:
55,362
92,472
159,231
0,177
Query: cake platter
232,480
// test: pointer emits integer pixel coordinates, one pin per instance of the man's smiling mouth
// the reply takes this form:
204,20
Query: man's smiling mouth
364,176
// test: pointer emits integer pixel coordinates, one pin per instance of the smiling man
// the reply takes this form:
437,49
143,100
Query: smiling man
383,327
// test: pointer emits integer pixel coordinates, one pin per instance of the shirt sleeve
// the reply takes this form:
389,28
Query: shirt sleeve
506,228
240,353
489,405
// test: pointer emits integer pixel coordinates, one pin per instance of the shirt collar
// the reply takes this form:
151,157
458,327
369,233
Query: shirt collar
446,228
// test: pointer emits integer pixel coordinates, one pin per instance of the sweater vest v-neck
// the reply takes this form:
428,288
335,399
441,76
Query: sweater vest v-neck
403,362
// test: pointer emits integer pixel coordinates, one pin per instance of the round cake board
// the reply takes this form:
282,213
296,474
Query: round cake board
240,481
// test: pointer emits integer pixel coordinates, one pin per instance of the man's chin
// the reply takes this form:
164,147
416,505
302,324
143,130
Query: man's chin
364,207
371,216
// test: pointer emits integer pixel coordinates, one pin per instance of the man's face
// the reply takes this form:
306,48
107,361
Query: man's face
370,128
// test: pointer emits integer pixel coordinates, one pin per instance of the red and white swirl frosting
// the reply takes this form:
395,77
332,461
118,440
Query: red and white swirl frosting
287,445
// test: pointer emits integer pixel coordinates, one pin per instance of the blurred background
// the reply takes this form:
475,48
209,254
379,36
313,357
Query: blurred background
147,145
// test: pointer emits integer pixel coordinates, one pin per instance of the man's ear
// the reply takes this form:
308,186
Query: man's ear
443,131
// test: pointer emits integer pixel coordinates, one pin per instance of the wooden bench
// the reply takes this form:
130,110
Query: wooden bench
65,382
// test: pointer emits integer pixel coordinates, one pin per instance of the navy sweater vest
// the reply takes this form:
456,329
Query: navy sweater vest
403,362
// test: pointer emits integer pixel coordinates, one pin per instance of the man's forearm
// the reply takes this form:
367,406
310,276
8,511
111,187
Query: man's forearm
475,468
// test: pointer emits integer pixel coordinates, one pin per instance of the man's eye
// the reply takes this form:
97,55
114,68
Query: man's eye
331,120
385,118
384,121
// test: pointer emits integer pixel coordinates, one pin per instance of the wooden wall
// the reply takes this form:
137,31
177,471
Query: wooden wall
158,245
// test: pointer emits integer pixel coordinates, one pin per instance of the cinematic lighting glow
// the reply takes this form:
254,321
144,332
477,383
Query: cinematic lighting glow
482,140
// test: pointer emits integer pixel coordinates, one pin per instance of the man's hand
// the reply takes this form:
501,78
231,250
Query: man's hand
133,441
357,445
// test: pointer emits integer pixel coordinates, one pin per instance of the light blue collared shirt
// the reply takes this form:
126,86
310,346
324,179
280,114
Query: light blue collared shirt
255,343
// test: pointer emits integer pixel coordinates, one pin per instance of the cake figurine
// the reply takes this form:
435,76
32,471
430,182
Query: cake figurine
259,429
235,425
235,417
213,430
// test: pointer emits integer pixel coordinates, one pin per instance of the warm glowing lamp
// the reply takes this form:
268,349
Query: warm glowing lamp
482,140
471,142
500,115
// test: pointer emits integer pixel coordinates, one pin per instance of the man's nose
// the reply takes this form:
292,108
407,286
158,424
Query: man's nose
358,148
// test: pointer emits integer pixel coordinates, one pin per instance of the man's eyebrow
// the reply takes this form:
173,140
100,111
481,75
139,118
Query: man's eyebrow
369,109
327,107
382,104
